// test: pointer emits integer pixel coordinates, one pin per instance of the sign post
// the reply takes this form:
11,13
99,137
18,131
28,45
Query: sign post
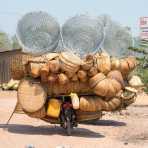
144,32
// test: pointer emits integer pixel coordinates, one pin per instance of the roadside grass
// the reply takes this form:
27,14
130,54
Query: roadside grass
142,72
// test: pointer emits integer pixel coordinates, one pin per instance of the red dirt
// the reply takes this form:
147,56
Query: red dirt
128,129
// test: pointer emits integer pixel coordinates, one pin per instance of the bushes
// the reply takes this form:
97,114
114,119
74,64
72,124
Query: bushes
140,50
142,72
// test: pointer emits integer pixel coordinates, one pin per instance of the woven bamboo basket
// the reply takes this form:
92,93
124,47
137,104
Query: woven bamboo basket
17,67
31,95
85,116
77,87
127,65
103,62
69,62
115,74
104,86
96,79
38,114
95,103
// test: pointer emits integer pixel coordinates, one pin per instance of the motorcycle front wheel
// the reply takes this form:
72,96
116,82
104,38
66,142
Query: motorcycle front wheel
68,127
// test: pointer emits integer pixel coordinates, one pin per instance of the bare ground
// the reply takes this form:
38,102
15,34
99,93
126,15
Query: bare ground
128,129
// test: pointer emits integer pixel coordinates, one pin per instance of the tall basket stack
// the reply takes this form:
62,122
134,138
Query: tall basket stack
98,80
93,80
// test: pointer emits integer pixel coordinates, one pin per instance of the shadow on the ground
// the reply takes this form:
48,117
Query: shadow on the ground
49,130
105,123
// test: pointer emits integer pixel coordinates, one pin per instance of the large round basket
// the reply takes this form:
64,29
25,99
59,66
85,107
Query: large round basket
31,95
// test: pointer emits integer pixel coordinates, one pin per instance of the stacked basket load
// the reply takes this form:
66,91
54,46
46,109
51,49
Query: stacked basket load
98,81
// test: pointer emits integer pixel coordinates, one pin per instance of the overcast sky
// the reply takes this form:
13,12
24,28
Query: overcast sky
126,12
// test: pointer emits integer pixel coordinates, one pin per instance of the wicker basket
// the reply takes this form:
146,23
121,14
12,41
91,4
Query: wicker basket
69,62
17,66
86,116
31,95
38,114
77,87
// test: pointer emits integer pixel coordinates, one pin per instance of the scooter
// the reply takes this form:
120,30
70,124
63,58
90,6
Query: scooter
68,117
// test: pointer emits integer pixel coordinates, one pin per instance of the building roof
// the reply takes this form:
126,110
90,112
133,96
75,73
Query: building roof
7,50
3,50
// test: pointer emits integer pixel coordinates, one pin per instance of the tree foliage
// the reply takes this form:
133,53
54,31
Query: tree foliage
5,42
15,43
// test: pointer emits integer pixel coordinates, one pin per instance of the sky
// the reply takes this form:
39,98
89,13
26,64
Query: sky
126,12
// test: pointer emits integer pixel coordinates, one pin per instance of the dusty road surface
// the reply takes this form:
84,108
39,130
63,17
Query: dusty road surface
128,129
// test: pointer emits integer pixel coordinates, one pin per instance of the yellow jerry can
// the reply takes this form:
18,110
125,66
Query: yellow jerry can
54,107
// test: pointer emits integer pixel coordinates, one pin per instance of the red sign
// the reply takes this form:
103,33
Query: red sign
143,22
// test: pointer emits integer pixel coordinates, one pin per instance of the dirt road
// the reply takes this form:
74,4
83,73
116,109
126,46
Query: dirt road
128,129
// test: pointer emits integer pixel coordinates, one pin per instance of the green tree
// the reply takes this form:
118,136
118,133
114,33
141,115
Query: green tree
5,42
141,54
15,43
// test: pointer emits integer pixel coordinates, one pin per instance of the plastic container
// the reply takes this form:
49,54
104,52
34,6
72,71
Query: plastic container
75,100
54,107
